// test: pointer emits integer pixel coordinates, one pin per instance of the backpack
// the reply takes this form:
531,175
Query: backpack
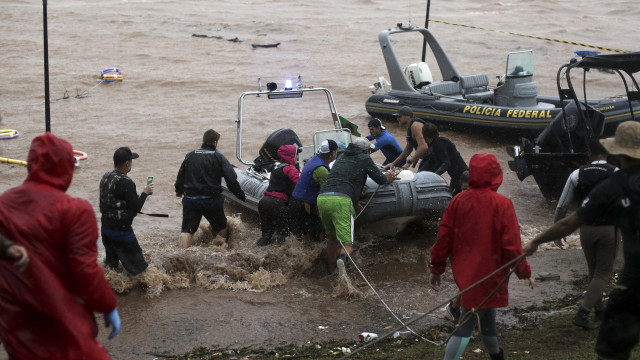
587,180
630,184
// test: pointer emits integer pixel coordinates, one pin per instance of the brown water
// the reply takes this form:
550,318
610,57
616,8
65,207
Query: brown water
176,86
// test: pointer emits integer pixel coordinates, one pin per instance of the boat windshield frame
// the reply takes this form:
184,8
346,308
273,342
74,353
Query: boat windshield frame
341,136
279,95
626,63
519,64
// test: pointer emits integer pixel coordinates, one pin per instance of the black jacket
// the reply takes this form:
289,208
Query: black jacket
201,172
119,201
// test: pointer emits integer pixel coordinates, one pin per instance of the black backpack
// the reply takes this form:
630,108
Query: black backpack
630,184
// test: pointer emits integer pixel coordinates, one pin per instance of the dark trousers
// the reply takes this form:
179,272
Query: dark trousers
620,328
305,220
193,209
599,244
455,185
273,216
122,246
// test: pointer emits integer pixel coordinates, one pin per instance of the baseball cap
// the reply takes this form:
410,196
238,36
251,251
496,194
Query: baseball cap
363,144
626,140
405,110
328,146
375,122
123,154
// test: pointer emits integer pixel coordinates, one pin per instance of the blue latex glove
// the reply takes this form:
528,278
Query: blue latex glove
112,318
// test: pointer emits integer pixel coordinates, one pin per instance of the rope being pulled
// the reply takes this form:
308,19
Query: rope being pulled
406,325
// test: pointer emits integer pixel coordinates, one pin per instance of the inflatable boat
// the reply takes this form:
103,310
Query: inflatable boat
389,207
563,145
468,101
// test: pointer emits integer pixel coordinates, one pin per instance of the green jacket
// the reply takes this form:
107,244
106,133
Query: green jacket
349,174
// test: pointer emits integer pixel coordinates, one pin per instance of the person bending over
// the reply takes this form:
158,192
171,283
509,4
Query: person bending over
303,205
272,208
444,157
340,194
199,181
385,142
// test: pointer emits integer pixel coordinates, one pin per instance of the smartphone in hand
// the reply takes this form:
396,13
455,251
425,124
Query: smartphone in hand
149,180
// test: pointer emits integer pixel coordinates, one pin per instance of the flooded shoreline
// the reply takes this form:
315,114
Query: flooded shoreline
176,86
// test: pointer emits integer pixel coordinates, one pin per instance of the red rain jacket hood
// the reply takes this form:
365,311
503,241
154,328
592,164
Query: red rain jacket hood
48,309
287,154
480,231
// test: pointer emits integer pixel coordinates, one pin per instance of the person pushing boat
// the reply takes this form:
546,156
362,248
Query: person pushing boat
415,140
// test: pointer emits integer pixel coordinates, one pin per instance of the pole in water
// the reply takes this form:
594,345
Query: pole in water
47,108
426,26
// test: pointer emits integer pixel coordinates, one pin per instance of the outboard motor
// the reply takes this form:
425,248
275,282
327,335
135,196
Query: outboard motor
418,74
268,154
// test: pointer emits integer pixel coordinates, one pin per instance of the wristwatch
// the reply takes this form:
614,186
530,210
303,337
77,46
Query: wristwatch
409,161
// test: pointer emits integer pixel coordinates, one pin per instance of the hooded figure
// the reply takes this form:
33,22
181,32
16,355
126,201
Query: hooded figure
480,232
272,208
47,310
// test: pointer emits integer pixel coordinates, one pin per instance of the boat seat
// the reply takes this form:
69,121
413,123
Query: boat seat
474,83
444,88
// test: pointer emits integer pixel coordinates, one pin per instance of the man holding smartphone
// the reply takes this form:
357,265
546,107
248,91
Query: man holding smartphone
119,204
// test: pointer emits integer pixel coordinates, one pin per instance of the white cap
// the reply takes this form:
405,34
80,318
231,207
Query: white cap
324,147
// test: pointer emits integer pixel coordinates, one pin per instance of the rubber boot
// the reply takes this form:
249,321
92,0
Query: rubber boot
498,356
185,240
582,319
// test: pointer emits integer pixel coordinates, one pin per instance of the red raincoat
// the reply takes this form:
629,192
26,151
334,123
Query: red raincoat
480,231
46,311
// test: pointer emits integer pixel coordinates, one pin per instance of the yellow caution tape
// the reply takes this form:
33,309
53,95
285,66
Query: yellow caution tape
532,37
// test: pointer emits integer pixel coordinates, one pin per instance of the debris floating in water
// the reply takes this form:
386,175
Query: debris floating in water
265,45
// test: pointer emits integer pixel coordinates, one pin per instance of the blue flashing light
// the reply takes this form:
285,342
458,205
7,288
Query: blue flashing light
584,53
288,85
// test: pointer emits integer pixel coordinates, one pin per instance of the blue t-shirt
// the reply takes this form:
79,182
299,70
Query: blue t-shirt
386,143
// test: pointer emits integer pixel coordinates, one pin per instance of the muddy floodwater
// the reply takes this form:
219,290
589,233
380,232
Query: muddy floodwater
177,85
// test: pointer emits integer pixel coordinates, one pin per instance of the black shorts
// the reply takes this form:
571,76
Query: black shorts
122,246
193,209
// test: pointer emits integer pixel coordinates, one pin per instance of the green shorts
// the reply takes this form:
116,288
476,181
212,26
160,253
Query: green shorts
336,213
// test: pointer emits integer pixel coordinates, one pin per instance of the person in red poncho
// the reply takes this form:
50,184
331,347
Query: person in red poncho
47,310
480,231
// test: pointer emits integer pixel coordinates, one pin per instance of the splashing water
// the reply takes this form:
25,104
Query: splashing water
213,263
